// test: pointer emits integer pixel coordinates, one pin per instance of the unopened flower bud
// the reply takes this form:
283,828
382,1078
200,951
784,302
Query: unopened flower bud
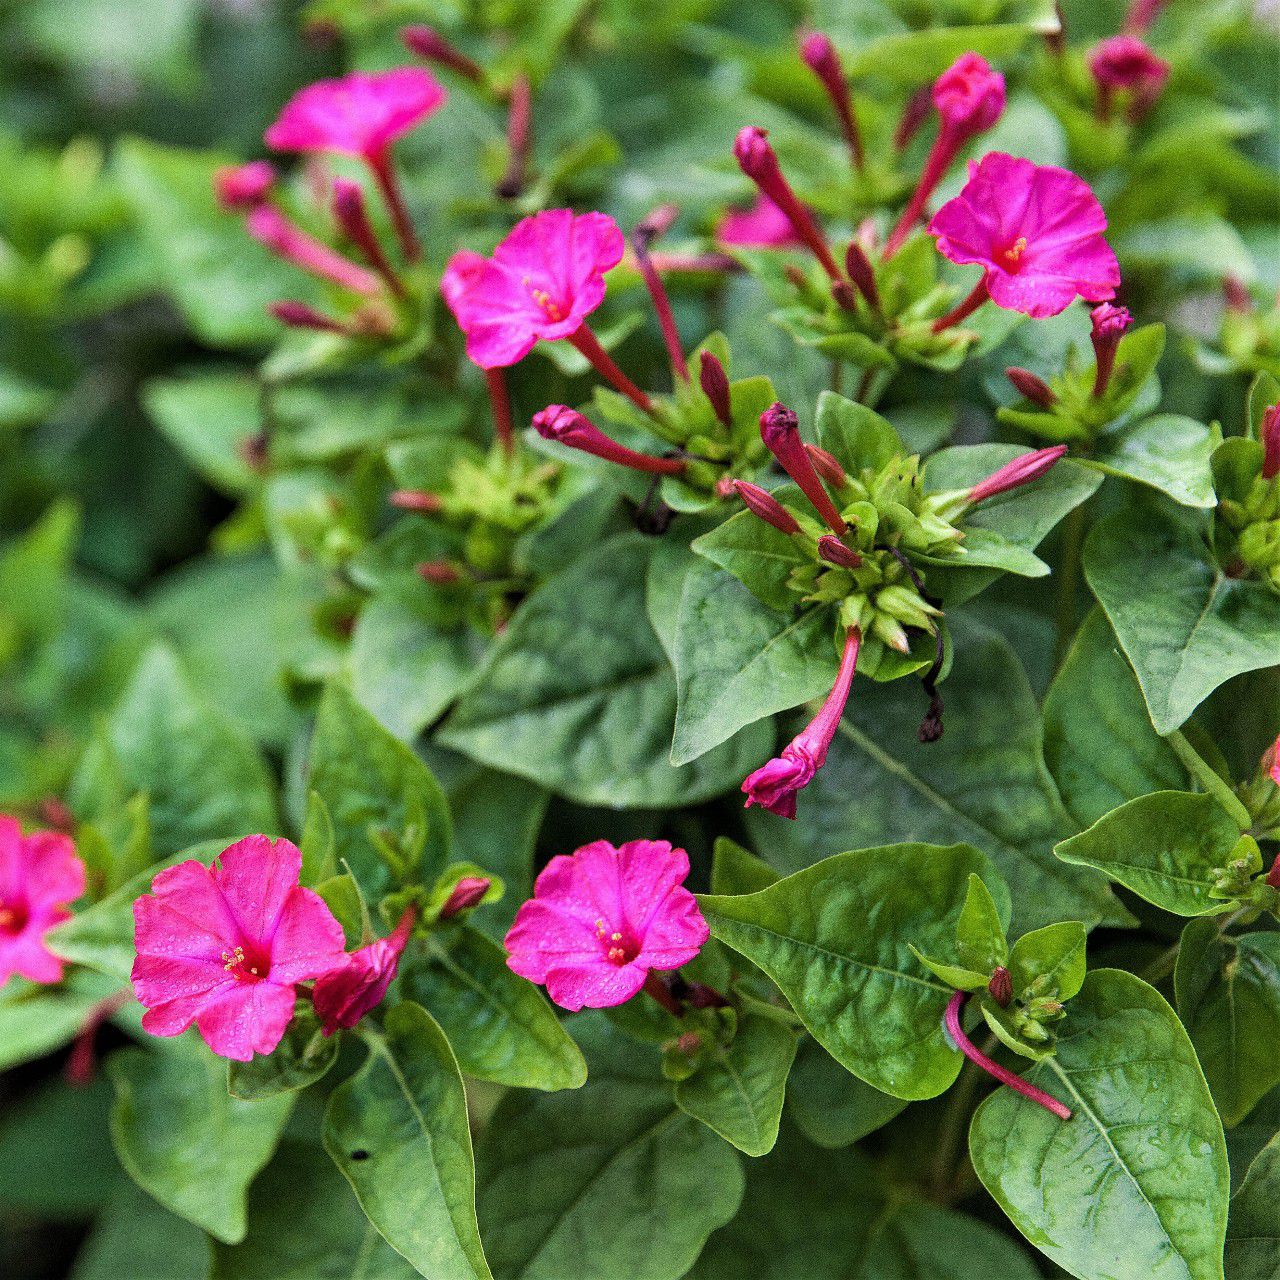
715,386
1236,295
299,315
826,465
466,894
861,272
243,186
431,46
568,427
914,114
821,58
440,573
1000,988
353,217
1022,470
779,429
1269,432
1109,326
833,551
267,225
891,632
1273,876
1031,387
416,500
762,503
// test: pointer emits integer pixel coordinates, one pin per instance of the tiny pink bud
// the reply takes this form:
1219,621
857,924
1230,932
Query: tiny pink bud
567,426
54,813
431,46
1271,761
416,500
914,114
353,217
826,465
762,503
833,551
1022,470
1269,432
821,58
969,95
861,272
779,429
243,186
1031,387
299,315
715,386
440,573
1109,326
466,894
657,222
1000,988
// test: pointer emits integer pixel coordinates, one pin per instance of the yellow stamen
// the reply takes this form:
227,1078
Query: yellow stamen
1015,251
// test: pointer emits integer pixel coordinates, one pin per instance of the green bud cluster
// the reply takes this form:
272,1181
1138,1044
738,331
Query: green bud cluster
1252,516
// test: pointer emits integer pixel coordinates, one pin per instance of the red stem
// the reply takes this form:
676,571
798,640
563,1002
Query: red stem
659,991
975,1055
388,184
964,309
586,342
662,305
500,404
943,152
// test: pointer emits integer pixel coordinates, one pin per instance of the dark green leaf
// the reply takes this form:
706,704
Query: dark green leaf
1168,453
301,1058
1253,1232
830,1106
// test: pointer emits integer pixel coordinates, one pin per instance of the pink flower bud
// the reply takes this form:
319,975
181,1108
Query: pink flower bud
1022,470
1269,433
1236,295
779,429
1109,325
353,217
914,114
466,894
833,551
1273,876
762,503
1124,63
440,573
244,186
715,386
342,998
431,46
1271,761
861,272
416,500
826,465
821,58
969,95
271,228
299,315
1000,988
567,426
1031,387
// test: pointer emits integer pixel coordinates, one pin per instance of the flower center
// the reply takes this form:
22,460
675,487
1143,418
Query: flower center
550,308
245,966
1012,256
13,917
620,945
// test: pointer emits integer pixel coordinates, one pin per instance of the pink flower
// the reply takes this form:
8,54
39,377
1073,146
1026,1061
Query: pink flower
969,95
243,186
541,284
1025,468
1125,62
344,996
600,920
1271,762
39,875
763,226
1269,434
224,946
776,784
1036,231
359,115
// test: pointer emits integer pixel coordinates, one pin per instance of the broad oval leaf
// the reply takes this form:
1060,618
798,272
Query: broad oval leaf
830,1106
1253,1231
1134,1186
1168,452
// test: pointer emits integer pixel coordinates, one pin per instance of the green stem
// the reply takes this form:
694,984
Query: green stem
959,1108
1069,580
1210,780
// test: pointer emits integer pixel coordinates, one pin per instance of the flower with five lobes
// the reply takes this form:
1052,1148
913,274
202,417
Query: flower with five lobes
39,875
601,919
762,226
776,784
224,947
541,283
1037,233
343,997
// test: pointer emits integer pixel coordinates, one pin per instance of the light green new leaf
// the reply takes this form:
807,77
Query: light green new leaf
398,1130
1165,847
1134,1186
837,938
611,1180
1228,993
184,1139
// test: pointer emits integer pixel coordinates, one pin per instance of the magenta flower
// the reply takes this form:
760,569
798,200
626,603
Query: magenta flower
1023,469
763,226
1035,230
600,920
776,784
1269,434
39,875
345,995
541,284
243,186
1124,64
224,946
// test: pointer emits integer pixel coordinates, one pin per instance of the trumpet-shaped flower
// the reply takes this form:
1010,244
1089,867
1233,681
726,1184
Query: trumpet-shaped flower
39,875
602,919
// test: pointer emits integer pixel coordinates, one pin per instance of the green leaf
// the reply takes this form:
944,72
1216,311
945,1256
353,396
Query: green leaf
398,1130
737,660
1134,1186
1165,847
984,783
761,557
304,1224
301,1058
739,1092
1253,1231
203,777
980,940
1184,625
611,1180
1055,953
1168,453
860,438
184,1139
134,1236
811,1214
830,1106
209,417
374,785
577,695
1098,739
36,1020
861,992
498,1024
1228,992
738,870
